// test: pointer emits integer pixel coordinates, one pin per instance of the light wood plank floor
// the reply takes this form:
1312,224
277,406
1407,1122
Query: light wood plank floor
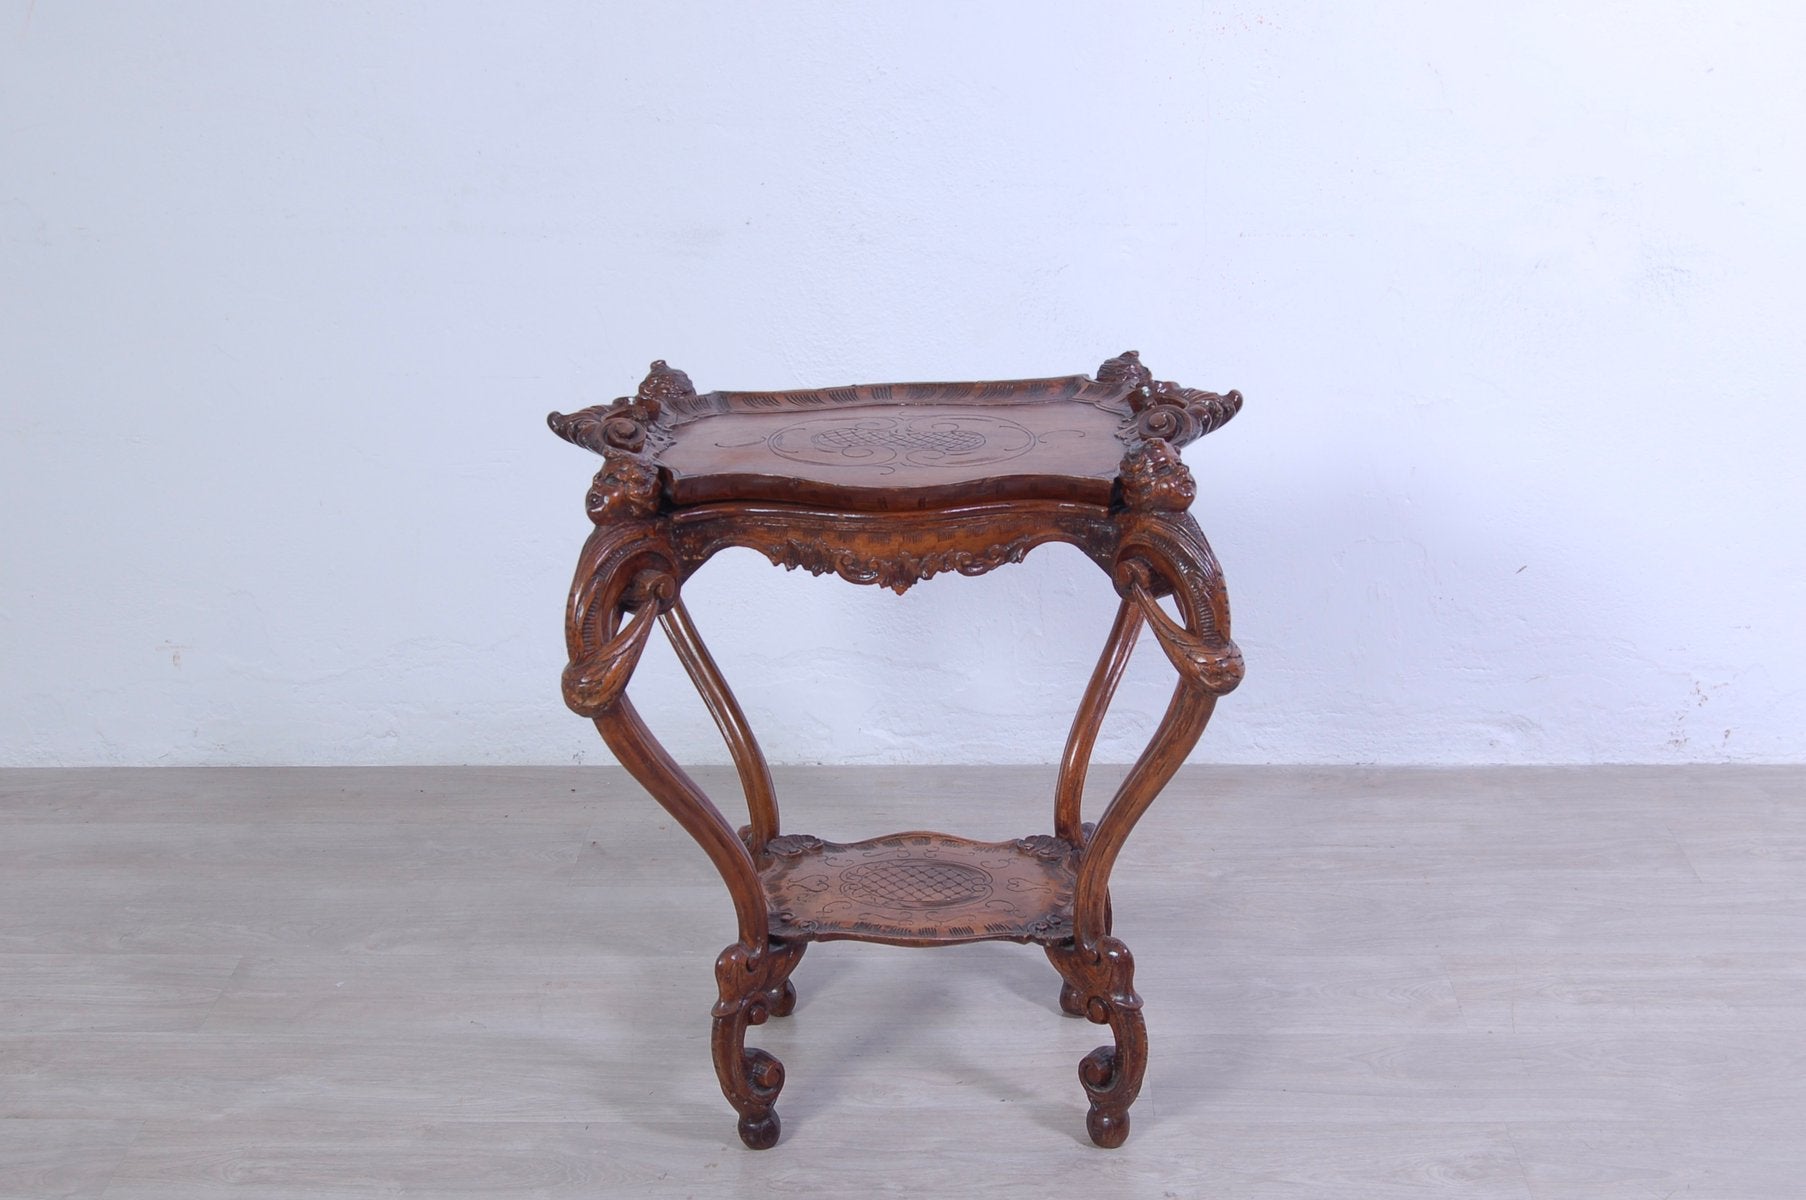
1536,984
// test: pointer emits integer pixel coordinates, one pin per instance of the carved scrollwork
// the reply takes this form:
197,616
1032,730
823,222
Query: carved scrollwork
1163,410
622,425
1155,478
1214,665
633,424
628,434
626,567
593,683
596,677
590,428
744,975
1100,985
1180,414
753,984
1167,551
1102,972
898,571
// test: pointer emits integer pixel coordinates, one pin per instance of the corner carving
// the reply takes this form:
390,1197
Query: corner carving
1125,366
1155,479
635,424
626,486
1163,410
628,433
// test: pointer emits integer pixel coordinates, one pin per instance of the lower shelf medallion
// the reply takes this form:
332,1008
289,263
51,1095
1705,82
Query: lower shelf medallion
921,889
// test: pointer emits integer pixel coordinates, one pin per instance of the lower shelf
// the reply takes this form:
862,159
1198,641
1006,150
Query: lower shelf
920,889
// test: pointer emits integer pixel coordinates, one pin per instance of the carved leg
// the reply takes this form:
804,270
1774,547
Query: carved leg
1100,980
1158,553
750,1078
625,580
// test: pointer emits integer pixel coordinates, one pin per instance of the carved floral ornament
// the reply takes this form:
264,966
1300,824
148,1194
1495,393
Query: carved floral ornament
897,571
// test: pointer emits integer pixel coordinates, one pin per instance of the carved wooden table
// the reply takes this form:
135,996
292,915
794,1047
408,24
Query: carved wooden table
890,484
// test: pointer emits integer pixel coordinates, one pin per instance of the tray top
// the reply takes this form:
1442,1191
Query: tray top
897,446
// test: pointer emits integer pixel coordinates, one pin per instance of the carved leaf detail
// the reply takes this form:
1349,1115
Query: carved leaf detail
1178,414
1044,845
792,845
897,571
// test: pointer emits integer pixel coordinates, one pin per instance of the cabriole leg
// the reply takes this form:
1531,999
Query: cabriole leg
1158,553
625,580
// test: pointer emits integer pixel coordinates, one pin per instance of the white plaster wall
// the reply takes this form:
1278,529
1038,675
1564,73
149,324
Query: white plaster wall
1515,294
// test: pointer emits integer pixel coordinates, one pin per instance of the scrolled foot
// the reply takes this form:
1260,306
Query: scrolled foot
1108,1130
1108,1121
1100,986
1097,1068
765,1073
761,1133
764,1076
754,985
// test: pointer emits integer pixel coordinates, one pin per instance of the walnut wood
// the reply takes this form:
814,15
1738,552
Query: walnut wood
1100,977
747,979
1069,790
749,761
891,484
894,550
921,889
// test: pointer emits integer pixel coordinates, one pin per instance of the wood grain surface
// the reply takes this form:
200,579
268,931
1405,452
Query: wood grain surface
1365,983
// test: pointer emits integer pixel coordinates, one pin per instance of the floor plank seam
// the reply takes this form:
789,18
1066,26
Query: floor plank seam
224,987
1686,855
1517,1154
126,1153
